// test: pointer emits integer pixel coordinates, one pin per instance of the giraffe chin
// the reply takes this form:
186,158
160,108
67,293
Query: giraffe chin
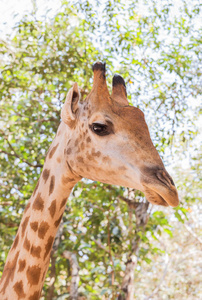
154,198
161,195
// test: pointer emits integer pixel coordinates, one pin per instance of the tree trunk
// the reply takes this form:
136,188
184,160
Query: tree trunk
142,216
74,273
128,287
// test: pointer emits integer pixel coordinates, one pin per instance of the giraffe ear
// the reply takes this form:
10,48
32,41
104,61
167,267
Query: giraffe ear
119,90
70,107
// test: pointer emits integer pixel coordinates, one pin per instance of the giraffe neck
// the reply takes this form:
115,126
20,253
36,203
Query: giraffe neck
28,259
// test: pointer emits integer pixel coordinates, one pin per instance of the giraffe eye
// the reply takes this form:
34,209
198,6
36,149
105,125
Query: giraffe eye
100,129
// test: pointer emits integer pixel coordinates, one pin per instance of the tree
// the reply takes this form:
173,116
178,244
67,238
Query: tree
115,233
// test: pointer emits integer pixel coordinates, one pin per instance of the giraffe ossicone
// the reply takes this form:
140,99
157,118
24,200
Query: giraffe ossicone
101,138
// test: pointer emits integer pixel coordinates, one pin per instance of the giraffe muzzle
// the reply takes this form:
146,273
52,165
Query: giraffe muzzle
160,188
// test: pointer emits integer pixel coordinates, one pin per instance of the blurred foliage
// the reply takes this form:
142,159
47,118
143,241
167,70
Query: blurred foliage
156,47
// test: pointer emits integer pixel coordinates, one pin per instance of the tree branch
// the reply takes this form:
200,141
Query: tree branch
128,280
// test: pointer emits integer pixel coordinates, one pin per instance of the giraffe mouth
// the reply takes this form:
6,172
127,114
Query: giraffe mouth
159,188
154,197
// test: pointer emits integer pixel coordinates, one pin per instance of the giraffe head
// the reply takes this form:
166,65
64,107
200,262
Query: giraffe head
109,141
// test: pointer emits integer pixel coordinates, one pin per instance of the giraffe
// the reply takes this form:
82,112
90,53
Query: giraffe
102,138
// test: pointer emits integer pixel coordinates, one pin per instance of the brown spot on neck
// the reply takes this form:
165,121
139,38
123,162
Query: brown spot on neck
106,159
35,251
94,153
15,243
58,159
48,246
43,228
22,265
9,271
38,203
57,222
76,142
52,151
27,207
90,157
35,296
26,244
71,124
44,274
69,150
52,208
33,275
80,159
36,188
18,288
63,203
24,225
82,146
52,185
45,174
34,226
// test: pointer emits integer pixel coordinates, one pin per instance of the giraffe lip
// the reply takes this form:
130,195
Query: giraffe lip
154,197
159,188
161,195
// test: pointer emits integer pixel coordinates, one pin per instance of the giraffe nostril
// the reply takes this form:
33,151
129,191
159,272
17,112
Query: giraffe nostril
164,177
172,182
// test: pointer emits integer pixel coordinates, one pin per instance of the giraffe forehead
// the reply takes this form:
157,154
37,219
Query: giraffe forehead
113,109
